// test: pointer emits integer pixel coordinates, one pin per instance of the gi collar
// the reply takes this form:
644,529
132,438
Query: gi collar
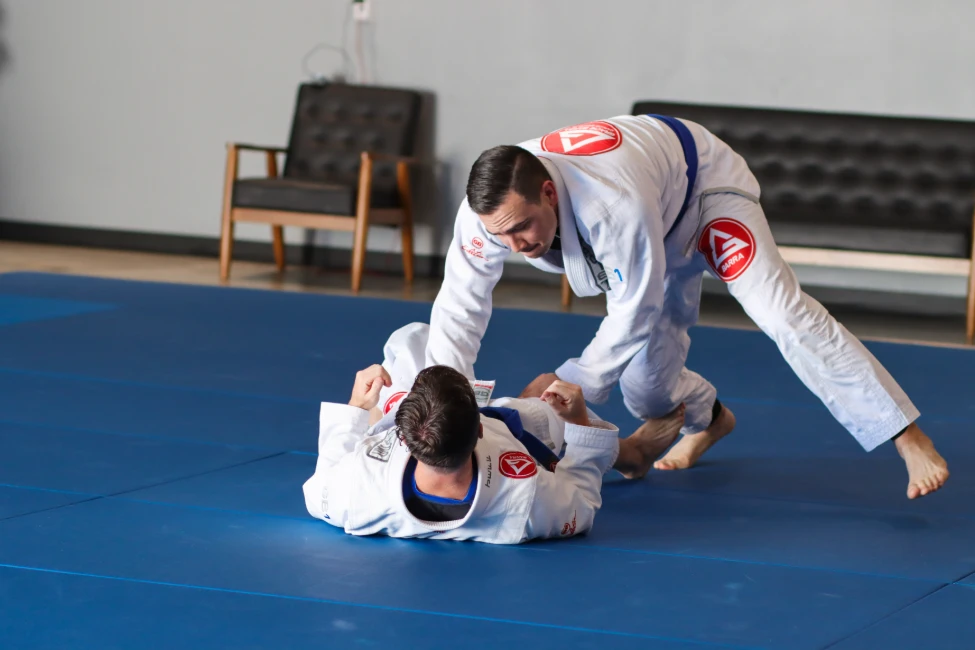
574,259
488,482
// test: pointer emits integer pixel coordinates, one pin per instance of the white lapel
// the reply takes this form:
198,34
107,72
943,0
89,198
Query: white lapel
583,274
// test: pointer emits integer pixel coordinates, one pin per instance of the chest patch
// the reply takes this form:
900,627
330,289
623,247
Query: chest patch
515,464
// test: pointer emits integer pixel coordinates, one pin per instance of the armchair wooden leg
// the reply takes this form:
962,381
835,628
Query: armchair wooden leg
226,218
566,293
361,221
970,334
226,247
970,327
406,229
277,233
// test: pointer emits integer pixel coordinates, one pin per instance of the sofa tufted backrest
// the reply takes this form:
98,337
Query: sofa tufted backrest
334,123
852,174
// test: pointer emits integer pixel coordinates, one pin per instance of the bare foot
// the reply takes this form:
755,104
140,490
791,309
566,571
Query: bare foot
927,471
638,451
686,452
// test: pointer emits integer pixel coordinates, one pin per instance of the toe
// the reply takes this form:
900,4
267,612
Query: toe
912,491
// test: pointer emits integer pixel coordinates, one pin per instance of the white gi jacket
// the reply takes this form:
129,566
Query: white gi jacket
620,203
358,481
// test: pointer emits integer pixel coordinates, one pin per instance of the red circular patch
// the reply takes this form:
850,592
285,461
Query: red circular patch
393,401
728,246
515,464
477,242
586,139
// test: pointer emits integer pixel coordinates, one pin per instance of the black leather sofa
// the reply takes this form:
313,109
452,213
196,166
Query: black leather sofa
857,191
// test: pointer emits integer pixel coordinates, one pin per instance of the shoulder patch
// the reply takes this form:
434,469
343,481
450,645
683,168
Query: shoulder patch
382,450
588,139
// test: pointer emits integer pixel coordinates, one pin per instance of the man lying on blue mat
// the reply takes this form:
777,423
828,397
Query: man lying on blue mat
433,463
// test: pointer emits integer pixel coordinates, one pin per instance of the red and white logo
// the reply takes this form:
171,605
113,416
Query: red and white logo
477,242
570,527
728,246
586,139
515,464
473,252
393,400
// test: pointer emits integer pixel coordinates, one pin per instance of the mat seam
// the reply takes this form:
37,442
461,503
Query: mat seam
174,387
528,547
152,436
115,495
328,601
885,617
810,503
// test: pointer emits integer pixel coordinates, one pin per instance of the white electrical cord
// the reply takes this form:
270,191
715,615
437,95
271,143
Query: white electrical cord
347,62
362,70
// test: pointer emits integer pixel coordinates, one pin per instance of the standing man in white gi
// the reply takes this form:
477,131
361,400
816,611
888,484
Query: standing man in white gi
638,207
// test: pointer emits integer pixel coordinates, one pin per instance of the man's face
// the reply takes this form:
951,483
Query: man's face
523,226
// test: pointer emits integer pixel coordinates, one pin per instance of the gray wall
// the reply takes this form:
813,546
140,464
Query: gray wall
114,113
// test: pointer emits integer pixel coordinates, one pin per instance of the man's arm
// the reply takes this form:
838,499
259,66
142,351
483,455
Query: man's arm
628,241
463,306
566,500
340,429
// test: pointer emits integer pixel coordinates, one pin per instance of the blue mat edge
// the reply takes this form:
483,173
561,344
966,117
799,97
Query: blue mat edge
314,295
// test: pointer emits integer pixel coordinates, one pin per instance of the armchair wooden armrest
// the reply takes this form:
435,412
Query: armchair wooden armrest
243,146
390,157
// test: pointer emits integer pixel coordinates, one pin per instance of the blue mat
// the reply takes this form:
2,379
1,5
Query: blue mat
154,439
944,620
15,501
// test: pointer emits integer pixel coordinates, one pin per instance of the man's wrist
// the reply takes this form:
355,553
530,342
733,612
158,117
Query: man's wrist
582,421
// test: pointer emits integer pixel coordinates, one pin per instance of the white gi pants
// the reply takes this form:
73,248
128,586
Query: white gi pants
829,360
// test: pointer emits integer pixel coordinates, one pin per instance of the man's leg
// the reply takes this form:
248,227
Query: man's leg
735,241
638,451
656,380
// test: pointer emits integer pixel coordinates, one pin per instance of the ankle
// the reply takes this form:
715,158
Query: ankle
909,437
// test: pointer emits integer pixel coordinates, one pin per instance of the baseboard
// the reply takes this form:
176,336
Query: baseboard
865,300
144,242
424,265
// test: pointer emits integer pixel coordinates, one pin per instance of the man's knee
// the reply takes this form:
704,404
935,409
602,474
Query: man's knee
780,312
647,407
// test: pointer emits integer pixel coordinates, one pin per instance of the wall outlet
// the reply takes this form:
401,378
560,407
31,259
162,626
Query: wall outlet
362,10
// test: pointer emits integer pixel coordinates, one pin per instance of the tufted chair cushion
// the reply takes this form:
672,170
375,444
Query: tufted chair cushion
857,182
333,124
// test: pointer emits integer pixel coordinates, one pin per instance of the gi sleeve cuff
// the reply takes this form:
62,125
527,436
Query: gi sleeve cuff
598,435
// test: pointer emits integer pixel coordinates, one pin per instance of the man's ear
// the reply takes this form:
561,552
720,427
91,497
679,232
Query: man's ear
549,192
480,430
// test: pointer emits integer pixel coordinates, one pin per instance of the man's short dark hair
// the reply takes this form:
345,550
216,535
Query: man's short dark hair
500,170
439,420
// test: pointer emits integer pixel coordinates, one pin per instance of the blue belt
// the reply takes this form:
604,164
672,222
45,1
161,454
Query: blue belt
512,419
690,156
